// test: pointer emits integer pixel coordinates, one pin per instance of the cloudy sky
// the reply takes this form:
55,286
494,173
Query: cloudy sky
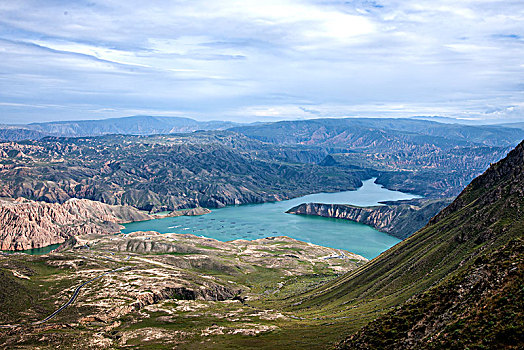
265,60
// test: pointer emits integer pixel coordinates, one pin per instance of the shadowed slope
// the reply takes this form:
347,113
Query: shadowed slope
481,307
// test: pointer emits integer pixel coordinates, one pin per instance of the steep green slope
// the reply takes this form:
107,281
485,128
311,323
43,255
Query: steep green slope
487,215
481,307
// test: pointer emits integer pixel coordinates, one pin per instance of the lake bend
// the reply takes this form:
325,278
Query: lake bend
254,221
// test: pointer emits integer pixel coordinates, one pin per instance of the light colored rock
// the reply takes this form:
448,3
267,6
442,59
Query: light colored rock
27,224
186,212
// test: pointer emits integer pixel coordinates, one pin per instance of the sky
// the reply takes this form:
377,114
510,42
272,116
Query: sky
252,60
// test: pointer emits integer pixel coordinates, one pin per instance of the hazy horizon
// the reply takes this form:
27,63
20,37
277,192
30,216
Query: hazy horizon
437,119
246,61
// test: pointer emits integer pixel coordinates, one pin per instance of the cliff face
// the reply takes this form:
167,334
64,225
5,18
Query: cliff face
399,219
187,212
26,224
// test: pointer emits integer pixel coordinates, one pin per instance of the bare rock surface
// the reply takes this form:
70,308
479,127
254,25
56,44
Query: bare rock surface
27,224
186,212
399,218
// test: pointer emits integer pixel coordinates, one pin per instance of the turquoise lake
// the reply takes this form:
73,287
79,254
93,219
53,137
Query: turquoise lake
253,221
35,251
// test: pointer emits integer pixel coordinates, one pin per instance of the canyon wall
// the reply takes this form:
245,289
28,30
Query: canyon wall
27,224
399,219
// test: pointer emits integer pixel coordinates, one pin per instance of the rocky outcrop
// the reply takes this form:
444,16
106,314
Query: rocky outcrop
209,291
142,246
26,224
187,212
399,219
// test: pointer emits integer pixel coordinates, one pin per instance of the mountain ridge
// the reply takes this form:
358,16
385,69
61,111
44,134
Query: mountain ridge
348,131
26,224
166,172
132,125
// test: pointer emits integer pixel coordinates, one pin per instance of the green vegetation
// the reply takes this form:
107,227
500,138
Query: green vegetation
218,294
29,295
479,308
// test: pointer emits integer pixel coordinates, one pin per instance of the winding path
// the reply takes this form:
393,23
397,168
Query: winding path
75,294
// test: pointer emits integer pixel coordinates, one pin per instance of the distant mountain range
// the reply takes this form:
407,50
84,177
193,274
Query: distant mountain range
8,133
514,125
333,132
417,156
380,133
135,125
160,172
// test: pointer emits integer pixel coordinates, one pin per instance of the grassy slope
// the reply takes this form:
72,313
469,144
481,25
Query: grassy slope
27,299
486,215
480,307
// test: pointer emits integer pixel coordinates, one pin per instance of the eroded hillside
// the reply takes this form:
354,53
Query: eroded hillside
157,173
161,290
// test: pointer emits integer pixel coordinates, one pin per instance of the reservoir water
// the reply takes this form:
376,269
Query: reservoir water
35,251
253,221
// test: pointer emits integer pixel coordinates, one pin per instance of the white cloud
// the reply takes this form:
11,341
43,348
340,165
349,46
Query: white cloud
274,59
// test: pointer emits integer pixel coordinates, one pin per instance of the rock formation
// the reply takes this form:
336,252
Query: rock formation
159,173
399,219
187,212
26,224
